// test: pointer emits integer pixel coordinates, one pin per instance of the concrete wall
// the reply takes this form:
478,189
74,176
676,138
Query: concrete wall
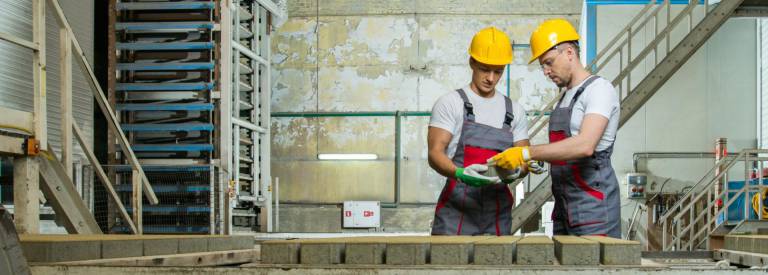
713,95
349,56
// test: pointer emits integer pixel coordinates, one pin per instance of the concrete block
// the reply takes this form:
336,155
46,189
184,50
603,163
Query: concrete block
616,251
280,252
452,250
222,243
496,251
193,245
121,248
365,251
322,251
573,250
730,242
407,250
61,251
161,246
535,250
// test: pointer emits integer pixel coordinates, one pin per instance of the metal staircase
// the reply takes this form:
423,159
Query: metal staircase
688,224
250,120
620,61
165,62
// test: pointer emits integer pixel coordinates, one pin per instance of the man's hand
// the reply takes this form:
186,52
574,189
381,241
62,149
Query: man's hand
536,167
512,158
471,175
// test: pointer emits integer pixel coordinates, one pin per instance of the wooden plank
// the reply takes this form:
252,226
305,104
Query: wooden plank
218,258
18,41
26,186
136,202
38,73
65,89
63,197
12,145
103,177
98,93
17,120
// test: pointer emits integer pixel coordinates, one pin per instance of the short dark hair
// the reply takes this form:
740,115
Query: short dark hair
575,45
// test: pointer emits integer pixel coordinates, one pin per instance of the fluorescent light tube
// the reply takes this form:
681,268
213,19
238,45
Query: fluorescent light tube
347,156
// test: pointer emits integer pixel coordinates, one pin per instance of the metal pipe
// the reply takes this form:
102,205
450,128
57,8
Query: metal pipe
670,155
349,114
277,205
398,147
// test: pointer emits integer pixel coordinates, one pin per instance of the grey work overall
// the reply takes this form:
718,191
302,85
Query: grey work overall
467,210
586,191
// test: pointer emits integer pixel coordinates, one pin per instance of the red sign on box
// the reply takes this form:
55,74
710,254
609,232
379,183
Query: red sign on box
367,214
348,213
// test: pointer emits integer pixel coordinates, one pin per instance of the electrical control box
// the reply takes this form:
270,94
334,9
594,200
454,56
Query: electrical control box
361,214
636,185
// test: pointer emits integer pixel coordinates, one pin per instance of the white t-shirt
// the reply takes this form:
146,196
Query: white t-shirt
598,98
448,114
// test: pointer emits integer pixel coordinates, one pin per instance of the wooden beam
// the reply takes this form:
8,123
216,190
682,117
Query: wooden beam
136,202
219,258
103,178
103,104
26,190
17,120
65,89
12,145
63,197
38,73
18,41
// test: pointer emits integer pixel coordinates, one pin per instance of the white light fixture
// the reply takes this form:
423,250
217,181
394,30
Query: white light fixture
347,156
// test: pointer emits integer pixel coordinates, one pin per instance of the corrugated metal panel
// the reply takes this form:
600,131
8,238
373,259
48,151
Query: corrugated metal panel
16,70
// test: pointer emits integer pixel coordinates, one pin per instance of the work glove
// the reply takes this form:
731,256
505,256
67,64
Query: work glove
518,173
536,167
471,175
512,158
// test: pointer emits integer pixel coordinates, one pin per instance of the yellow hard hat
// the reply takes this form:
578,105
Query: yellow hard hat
491,46
549,34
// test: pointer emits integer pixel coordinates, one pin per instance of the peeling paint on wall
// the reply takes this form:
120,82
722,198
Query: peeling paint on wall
362,56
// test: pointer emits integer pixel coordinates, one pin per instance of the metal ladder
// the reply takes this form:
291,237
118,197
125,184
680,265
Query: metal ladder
688,224
164,57
622,51
250,122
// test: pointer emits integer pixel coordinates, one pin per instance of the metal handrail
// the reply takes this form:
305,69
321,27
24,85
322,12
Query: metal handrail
685,204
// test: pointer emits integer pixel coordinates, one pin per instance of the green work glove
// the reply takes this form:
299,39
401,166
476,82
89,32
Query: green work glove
472,175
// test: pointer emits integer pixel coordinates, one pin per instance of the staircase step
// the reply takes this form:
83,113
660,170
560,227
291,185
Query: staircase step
182,5
172,147
167,127
169,26
245,69
197,86
173,46
168,66
244,14
166,107
245,87
245,106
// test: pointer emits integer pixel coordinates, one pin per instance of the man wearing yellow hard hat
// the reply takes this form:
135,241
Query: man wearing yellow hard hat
468,126
582,129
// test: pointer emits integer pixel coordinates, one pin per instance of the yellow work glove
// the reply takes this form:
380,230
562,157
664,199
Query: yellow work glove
512,158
